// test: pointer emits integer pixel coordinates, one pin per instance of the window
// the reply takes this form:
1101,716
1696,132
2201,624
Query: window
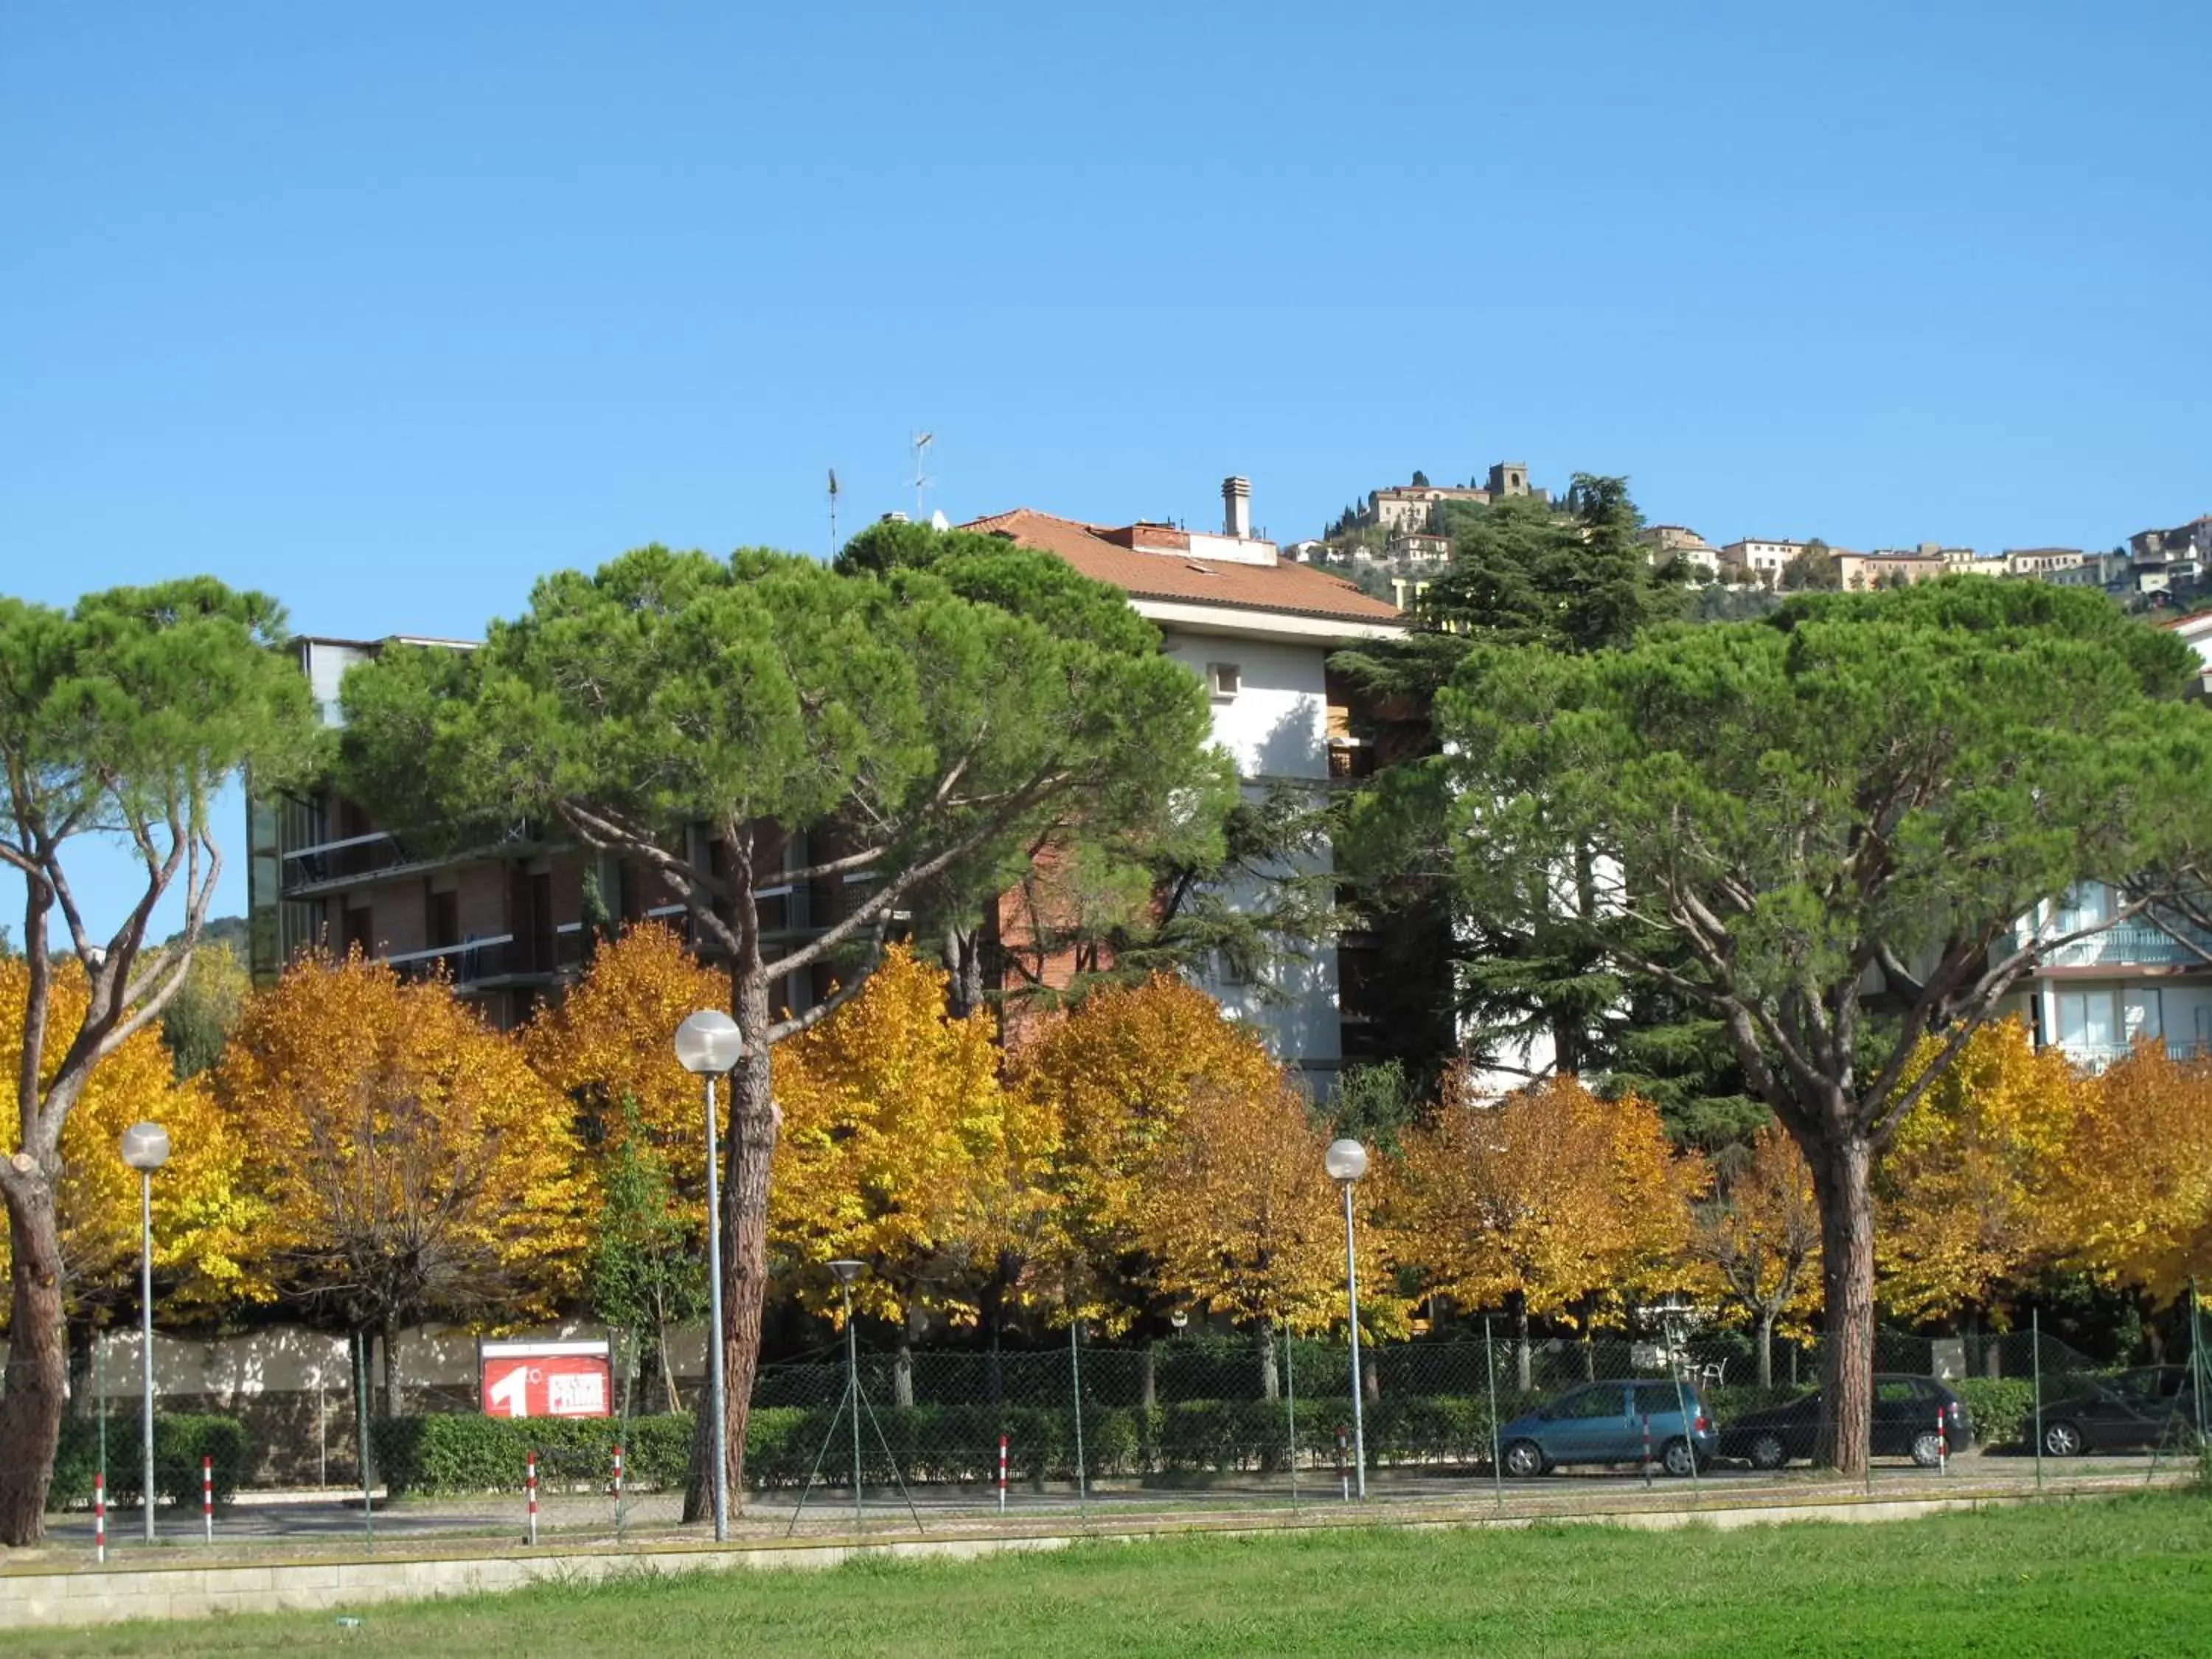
1585,1405
2084,1019
1225,679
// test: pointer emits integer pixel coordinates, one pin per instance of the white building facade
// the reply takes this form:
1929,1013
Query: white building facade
1258,630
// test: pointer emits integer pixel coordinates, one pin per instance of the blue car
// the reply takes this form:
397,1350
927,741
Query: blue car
1605,1423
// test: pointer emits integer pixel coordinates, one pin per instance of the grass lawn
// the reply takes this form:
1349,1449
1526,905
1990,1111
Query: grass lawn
2127,1576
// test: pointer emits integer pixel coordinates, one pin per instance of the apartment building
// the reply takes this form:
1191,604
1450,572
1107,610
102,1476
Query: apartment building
1258,630
1858,572
510,921
2145,979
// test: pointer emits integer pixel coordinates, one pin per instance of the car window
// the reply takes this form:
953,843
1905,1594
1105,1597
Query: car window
1601,1402
1897,1391
1653,1398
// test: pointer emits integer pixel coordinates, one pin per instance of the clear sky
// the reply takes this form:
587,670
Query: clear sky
389,308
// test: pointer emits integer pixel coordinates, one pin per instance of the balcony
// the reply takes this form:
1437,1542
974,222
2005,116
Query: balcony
348,859
2132,944
2096,1057
470,964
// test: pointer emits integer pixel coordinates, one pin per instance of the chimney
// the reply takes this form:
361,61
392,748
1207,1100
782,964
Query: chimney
1237,507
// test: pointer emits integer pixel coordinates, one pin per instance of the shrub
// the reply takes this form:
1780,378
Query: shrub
180,1440
1998,1406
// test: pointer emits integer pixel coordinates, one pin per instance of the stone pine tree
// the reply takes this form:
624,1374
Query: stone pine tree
1822,830
733,725
121,720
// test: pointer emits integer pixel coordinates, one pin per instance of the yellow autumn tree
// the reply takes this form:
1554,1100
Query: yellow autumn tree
2133,1196
1240,1219
1756,1241
1112,1079
201,1211
900,1149
1550,1202
611,1041
1962,1195
414,1165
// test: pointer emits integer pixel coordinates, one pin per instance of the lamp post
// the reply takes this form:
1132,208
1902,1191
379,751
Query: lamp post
1345,1162
709,1044
848,1270
146,1148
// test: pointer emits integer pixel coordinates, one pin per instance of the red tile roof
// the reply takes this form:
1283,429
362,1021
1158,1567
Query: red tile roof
1294,589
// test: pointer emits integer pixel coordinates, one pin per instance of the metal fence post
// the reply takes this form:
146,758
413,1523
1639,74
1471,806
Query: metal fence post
1290,1407
2035,1359
1497,1461
361,1433
1075,1379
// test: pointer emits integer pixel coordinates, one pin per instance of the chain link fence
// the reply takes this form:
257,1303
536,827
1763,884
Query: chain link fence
1242,1418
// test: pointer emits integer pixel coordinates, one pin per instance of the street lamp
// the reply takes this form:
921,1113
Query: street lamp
848,1270
707,1044
1347,1161
146,1148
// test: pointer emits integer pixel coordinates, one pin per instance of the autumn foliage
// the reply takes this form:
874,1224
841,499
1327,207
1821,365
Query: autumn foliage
2133,1196
611,1040
1551,1200
1962,1197
1114,1081
203,1214
413,1165
901,1149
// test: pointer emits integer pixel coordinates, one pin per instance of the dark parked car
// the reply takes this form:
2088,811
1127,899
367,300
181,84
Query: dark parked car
2134,1411
1606,1423
1904,1425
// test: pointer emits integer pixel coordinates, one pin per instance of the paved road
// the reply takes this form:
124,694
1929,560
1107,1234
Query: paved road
318,1517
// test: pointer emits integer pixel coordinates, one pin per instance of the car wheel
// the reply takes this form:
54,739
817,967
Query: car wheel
2062,1440
1524,1460
1927,1449
1678,1459
1767,1452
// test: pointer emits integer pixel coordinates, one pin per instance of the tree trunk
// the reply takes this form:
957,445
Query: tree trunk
749,1148
902,1361
1271,1382
388,1408
1523,1360
1766,1350
83,1336
1148,1390
1370,1377
1842,1175
963,969
38,1367
670,1399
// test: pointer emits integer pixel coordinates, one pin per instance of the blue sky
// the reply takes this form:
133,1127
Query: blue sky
388,309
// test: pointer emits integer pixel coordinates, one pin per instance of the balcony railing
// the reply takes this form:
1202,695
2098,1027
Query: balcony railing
343,860
2132,944
468,963
2095,1057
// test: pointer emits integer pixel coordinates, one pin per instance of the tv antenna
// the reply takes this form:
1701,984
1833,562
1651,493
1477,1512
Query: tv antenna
921,479
833,512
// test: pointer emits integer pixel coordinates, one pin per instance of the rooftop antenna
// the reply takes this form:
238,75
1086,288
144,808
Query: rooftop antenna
833,512
921,480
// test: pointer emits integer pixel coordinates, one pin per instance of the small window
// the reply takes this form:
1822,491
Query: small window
1225,678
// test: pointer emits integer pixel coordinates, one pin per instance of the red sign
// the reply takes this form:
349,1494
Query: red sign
546,1379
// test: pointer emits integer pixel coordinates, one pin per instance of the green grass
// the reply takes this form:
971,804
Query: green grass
2118,1577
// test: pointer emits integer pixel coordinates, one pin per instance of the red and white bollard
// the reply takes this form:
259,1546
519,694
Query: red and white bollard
529,1485
100,1518
207,1498
617,1486
1942,1445
1343,1470
1002,1474
1647,1448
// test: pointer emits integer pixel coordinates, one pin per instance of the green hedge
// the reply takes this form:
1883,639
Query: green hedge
1998,1406
180,1440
